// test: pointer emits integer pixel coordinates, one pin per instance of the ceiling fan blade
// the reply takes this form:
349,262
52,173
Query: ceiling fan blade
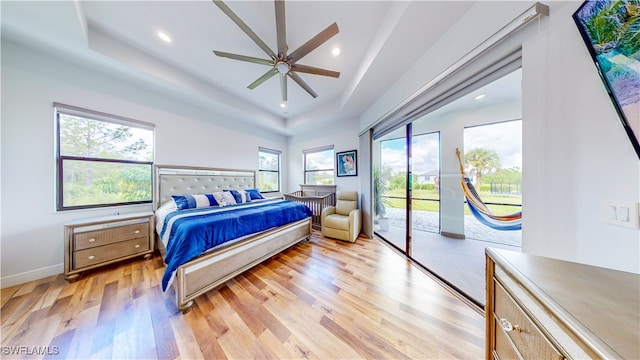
263,78
314,70
302,84
281,28
250,59
316,41
283,86
225,9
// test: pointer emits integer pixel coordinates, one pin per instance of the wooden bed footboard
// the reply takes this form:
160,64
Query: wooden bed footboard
214,268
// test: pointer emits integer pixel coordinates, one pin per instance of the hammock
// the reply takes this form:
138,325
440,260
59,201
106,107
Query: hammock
481,211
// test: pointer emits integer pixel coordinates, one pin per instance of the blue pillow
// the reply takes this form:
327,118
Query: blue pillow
241,196
255,194
194,201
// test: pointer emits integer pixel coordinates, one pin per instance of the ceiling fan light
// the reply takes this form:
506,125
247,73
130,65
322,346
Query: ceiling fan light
282,67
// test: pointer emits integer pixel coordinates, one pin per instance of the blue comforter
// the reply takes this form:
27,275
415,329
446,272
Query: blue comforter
202,229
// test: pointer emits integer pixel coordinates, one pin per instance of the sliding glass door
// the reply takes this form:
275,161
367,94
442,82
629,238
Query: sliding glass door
425,189
420,207
407,176
390,188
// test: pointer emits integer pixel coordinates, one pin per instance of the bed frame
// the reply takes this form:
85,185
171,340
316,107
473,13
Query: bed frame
215,267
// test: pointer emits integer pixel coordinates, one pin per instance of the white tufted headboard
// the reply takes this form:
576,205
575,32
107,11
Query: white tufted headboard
189,180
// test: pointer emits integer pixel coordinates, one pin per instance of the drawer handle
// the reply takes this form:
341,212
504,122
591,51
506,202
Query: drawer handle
137,232
507,326
92,240
137,246
91,257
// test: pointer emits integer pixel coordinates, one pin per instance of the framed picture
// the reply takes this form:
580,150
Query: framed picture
347,163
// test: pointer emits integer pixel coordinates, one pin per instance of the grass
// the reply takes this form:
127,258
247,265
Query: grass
398,201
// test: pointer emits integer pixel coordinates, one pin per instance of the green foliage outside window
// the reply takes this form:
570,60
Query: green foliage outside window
103,163
268,170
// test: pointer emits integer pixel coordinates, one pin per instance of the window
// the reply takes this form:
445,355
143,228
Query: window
268,170
102,160
319,166
493,163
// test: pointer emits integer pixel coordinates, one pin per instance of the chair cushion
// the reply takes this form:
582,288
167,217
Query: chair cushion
347,195
343,207
336,221
346,201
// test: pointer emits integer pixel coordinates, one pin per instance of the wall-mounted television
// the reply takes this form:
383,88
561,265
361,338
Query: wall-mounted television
611,31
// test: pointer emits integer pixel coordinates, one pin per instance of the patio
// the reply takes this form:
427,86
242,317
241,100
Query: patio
461,262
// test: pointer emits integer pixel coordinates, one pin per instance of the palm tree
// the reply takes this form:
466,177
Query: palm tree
481,161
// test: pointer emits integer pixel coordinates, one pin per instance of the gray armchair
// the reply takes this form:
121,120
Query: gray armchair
344,220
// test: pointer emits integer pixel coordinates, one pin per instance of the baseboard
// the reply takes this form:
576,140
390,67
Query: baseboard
27,276
452,235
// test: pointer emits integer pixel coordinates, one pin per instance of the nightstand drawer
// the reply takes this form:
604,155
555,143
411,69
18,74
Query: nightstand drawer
111,252
90,239
529,342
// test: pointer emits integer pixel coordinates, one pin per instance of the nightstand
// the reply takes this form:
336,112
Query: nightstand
96,242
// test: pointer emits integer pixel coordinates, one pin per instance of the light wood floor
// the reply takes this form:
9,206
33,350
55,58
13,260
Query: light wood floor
322,299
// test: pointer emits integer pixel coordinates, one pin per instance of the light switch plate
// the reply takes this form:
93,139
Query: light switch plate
622,214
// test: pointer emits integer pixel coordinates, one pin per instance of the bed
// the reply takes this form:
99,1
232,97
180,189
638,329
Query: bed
201,252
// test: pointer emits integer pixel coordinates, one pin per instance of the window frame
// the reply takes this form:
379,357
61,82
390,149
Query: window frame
317,150
264,171
62,109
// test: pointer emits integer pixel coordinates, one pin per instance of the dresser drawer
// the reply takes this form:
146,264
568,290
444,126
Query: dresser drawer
96,255
90,239
527,339
504,349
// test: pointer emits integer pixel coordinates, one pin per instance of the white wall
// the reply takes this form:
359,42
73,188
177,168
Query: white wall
343,136
31,229
575,153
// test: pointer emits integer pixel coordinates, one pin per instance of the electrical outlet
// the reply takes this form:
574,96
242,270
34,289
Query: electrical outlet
623,214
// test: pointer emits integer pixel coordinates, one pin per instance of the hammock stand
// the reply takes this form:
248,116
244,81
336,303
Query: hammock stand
481,211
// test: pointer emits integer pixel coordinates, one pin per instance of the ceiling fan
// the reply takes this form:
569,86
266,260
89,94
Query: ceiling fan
281,63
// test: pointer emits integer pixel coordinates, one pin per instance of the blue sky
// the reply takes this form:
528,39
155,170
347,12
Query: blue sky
499,137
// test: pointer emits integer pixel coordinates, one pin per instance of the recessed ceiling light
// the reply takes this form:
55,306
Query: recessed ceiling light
283,105
335,51
164,37
479,97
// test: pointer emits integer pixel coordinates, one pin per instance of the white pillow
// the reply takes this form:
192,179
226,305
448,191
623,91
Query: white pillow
224,198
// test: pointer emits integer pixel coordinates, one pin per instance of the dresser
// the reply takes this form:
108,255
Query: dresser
542,308
96,242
